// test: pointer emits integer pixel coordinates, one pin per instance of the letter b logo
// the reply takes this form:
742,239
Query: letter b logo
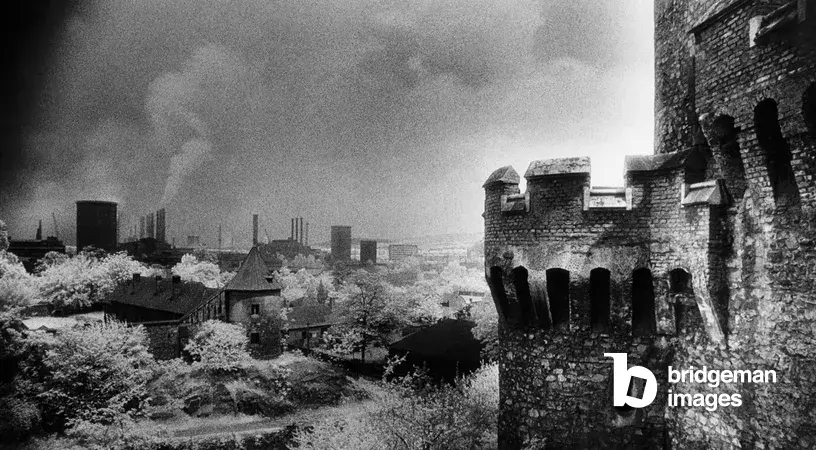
622,375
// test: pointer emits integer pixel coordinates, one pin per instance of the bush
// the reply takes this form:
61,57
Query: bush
21,418
87,278
96,374
412,413
204,271
4,240
219,346
17,287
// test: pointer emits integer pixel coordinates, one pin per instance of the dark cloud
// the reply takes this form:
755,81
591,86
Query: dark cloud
383,115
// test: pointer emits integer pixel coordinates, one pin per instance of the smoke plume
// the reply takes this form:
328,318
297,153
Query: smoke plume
384,115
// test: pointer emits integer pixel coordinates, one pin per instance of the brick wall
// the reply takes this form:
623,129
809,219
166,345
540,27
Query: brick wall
750,257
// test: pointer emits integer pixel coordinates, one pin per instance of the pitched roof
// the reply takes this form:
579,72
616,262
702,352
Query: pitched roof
451,339
163,295
252,275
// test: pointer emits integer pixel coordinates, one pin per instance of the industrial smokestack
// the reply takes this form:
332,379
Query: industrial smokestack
254,230
39,231
297,236
292,234
307,235
301,230
151,226
160,225
142,227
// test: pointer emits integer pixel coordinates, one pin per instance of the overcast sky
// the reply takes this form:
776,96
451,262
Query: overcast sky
384,115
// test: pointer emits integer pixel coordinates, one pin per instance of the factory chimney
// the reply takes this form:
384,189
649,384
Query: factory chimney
254,230
160,225
142,227
292,234
307,235
39,231
151,226
301,230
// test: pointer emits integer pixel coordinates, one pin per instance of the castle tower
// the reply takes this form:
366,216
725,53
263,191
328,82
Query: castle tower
701,259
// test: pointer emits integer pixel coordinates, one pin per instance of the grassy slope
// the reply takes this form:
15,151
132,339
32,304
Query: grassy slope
316,389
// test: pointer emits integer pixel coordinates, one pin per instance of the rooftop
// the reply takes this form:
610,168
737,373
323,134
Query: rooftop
162,294
252,274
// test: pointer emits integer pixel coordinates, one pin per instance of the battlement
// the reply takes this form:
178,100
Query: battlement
703,257
563,232
556,167
562,180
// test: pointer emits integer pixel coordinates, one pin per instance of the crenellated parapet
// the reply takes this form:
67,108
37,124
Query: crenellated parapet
609,250
703,257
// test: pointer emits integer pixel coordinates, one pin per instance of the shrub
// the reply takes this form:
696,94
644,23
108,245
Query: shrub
17,287
96,374
4,240
203,271
413,413
21,418
355,432
87,278
219,346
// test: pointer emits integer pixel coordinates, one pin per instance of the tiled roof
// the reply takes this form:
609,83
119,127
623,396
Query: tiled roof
252,275
179,298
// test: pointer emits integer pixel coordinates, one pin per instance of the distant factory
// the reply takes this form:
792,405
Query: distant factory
149,243
31,251
368,252
297,244
397,252
97,225
341,243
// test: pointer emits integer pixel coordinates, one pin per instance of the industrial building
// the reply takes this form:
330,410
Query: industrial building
31,251
299,234
297,244
152,247
341,243
397,252
97,225
368,251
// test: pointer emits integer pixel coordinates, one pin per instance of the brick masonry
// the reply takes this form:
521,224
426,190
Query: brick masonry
725,111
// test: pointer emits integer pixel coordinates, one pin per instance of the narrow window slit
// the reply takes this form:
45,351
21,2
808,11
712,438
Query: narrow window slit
558,293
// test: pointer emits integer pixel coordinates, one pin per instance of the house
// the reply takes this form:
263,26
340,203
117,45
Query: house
171,309
448,349
253,299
